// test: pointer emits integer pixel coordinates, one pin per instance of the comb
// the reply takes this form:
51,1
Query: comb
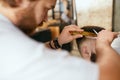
84,33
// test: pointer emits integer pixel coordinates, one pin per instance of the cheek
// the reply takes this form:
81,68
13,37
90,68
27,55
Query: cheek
41,15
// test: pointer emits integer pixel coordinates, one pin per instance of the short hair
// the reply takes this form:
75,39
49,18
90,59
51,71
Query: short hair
80,41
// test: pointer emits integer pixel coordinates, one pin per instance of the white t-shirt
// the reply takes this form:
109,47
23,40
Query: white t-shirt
22,58
116,44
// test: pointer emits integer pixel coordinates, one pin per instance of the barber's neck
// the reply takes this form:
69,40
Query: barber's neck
9,13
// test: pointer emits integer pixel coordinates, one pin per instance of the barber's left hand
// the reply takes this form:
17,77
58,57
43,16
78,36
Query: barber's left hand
66,37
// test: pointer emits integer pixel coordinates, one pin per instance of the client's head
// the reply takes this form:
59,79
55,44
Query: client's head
86,45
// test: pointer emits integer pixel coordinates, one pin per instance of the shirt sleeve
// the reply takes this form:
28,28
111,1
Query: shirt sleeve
116,44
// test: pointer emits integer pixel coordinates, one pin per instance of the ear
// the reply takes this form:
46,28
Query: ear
84,52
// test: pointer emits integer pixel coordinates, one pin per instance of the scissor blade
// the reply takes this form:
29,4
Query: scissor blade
95,32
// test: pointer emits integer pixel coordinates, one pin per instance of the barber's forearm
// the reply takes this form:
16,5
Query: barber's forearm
108,60
106,52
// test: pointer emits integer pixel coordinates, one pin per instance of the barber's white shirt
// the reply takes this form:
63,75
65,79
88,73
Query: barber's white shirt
22,58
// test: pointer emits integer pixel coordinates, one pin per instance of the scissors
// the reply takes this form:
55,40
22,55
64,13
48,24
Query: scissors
95,32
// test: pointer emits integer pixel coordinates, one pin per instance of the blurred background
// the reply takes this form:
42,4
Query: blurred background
104,13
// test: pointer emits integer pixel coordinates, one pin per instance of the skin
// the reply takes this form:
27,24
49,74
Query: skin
65,36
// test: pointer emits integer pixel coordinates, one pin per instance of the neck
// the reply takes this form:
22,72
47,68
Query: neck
9,13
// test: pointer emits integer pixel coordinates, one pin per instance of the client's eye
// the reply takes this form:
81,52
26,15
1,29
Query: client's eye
93,57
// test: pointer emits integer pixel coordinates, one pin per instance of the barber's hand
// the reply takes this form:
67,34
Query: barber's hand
106,37
107,58
66,37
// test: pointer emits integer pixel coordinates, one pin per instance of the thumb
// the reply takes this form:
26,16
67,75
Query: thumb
116,34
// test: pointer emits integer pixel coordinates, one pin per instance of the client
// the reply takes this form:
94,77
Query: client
86,44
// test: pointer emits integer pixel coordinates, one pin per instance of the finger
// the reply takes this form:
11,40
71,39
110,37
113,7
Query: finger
116,34
77,36
76,28
72,26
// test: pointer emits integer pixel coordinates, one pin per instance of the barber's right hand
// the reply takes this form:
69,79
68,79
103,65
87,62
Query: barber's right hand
106,37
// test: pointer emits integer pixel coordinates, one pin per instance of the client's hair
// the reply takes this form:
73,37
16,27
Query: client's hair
79,41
